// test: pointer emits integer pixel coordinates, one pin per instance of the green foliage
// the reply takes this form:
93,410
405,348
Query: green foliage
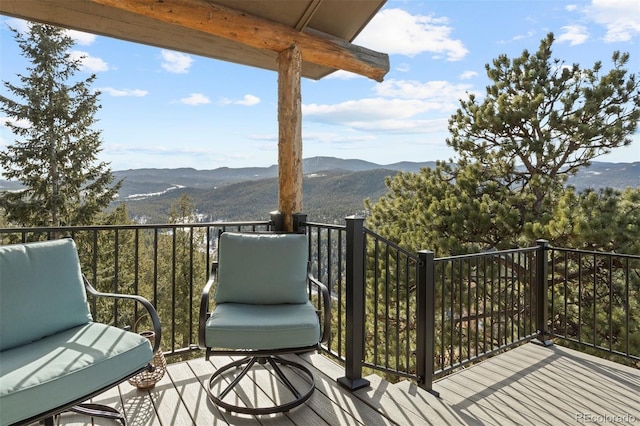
595,301
56,155
538,123
165,265
607,220
182,280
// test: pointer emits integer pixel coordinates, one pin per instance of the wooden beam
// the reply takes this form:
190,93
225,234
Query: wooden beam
308,14
289,135
260,33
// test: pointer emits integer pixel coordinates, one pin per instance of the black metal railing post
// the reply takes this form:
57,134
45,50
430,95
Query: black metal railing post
542,284
299,223
277,220
425,313
355,295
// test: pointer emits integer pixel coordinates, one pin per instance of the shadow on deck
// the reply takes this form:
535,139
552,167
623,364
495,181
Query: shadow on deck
529,385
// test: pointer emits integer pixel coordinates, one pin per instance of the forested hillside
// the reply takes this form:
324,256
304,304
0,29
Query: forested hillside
328,197
333,188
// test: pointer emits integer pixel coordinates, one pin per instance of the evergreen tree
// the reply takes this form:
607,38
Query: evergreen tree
55,157
183,277
539,122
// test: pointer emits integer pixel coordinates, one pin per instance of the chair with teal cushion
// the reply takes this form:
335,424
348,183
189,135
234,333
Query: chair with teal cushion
53,356
262,310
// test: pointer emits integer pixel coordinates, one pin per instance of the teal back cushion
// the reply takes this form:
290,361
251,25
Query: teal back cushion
262,269
41,291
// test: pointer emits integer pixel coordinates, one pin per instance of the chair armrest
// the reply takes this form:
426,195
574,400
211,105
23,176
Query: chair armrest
326,305
204,306
157,329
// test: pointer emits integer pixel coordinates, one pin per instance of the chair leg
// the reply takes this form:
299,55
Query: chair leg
99,410
299,397
284,378
245,370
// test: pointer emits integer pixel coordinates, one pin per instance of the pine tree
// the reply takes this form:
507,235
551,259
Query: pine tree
539,122
55,155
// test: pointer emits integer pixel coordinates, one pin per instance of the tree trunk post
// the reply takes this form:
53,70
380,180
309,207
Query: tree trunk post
289,135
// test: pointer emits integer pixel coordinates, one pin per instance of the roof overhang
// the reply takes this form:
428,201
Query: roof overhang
247,32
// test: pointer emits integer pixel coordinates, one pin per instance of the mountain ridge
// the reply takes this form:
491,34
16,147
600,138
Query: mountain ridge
333,187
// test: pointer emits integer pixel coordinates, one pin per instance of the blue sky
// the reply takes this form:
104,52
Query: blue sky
166,109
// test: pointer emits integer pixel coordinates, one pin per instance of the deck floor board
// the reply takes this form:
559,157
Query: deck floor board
528,385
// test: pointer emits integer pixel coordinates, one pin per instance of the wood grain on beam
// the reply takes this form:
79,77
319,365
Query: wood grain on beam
289,135
259,33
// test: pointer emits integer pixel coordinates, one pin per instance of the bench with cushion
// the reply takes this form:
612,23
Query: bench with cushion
52,355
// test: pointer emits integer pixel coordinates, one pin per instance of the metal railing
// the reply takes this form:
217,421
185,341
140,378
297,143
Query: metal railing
592,295
485,303
413,315
168,264
407,315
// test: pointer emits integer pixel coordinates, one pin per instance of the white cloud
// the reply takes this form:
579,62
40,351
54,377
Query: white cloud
247,100
571,7
372,113
264,137
439,91
83,39
402,106
621,18
79,37
342,75
467,75
395,31
175,62
195,99
20,25
88,62
124,92
529,34
24,123
339,138
404,67
526,35
573,34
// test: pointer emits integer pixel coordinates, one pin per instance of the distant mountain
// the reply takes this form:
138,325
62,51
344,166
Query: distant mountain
328,196
612,175
333,187
139,183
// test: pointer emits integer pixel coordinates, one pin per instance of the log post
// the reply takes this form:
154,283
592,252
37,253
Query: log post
289,135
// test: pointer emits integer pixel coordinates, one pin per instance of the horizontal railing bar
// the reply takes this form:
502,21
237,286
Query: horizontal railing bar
133,226
596,253
324,225
486,253
391,244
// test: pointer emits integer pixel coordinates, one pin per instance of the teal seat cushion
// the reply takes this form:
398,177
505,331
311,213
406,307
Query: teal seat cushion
61,368
44,277
262,268
262,327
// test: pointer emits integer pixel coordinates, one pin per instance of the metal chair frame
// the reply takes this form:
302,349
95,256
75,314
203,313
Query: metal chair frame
265,358
99,410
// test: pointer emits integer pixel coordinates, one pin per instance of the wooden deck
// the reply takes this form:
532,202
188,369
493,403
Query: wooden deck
529,385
